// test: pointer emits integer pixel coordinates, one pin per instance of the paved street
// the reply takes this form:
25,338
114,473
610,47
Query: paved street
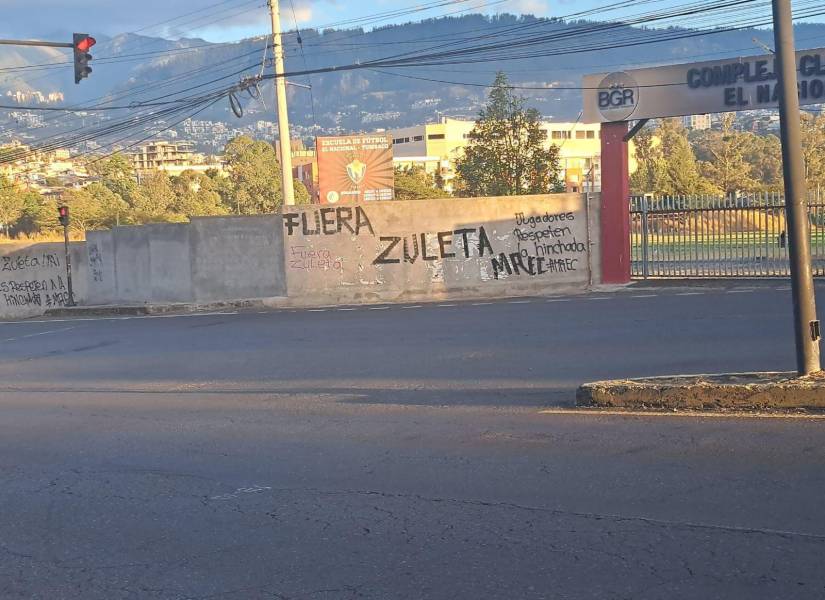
418,451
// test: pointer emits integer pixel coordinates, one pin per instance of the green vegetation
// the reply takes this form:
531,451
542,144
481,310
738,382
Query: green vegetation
118,198
413,183
672,162
506,155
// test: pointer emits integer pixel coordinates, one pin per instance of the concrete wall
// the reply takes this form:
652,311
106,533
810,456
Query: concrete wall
209,259
170,270
33,278
237,257
435,248
381,251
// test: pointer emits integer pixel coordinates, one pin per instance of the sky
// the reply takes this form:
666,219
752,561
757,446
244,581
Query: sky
226,20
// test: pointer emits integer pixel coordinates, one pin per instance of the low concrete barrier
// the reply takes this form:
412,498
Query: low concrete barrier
33,278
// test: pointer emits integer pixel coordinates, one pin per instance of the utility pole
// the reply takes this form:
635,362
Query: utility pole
283,114
806,325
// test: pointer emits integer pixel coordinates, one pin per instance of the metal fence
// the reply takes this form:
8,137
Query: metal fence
704,236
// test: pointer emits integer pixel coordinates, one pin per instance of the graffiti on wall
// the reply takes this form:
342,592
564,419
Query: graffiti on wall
546,244
95,263
532,245
306,258
23,283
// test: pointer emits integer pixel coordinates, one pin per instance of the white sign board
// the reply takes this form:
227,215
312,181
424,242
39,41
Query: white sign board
747,83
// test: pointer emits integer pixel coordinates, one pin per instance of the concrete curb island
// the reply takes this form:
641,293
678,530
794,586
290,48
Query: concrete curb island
733,391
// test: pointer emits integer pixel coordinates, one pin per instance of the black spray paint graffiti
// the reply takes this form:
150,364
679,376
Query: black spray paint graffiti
95,263
329,221
35,292
552,244
392,254
21,263
518,263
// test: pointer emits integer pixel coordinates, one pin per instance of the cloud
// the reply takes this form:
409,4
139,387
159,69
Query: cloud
539,8
24,18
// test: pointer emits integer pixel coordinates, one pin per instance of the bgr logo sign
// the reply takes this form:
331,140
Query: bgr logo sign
617,96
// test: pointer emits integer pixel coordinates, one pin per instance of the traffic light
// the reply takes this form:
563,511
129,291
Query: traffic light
63,212
83,42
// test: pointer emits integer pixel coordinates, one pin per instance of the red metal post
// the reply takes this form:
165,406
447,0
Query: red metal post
615,214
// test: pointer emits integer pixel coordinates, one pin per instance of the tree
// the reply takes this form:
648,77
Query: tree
680,173
813,149
765,158
255,176
650,169
11,204
117,173
39,214
722,155
154,199
414,183
301,193
94,207
507,154
197,195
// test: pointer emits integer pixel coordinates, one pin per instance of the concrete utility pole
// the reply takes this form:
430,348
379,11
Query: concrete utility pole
806,325
283,115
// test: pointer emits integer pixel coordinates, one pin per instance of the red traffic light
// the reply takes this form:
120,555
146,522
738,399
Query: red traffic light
63,211
85,44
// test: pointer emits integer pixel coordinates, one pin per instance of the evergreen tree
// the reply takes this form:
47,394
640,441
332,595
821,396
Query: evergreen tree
507,153
680,173
723,157
647,178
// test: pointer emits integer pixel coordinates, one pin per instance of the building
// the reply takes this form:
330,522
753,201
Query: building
436,146
161,155
697,122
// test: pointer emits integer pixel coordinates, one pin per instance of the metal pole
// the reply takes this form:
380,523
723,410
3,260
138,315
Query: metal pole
68,265
35,43
283,113
645,250
806,325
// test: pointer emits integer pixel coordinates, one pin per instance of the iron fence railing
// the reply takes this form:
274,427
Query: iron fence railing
705,236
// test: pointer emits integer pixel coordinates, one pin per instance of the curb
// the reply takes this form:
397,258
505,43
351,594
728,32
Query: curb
149,309
730,391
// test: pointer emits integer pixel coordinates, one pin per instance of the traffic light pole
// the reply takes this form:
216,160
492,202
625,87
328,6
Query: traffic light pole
806,325
284,141
35,43
68,264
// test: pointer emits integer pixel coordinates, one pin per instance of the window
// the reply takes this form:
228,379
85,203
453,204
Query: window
418,138
404,140
436,136
580,135
591,135
560,135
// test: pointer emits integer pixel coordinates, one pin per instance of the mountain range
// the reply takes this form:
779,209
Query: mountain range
130,68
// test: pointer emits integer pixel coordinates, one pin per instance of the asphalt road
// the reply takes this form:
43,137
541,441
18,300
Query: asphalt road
403,452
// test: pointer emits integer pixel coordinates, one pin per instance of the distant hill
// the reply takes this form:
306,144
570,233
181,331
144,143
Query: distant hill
363,99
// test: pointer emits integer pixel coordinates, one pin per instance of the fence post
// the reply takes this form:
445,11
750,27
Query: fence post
645,269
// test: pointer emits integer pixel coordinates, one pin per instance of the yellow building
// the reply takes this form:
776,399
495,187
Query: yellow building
436,146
